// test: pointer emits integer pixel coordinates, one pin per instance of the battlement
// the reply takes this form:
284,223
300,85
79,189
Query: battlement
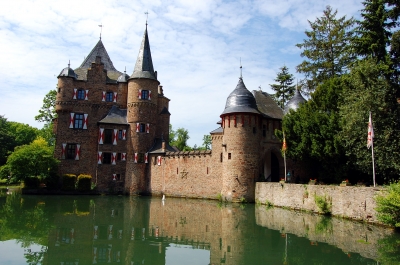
189,153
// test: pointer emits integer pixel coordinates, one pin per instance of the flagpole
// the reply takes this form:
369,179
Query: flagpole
284,153
373,163
370,143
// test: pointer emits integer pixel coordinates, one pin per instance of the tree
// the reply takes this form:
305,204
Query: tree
311,133
366,89
7,141
207,142
48,112
284,90
23,133
327,49
374,31
35,159
179,138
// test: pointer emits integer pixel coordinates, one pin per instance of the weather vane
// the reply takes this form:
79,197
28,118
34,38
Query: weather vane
240,67
101,29
147,16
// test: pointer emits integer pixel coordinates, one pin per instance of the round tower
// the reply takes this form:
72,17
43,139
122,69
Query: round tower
241,122
142,118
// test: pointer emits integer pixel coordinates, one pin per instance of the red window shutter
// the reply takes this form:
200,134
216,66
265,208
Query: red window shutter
115,136
149,94
86,94
137,127
77,151
63,151
114,177
114,158
136,156
123,156
74,95
148,128
101,135
104,96
123,134
140,94
99,157
71,120
115,97
146,158
85,121
159,160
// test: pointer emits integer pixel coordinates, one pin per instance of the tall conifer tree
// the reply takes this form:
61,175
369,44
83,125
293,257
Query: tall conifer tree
284,89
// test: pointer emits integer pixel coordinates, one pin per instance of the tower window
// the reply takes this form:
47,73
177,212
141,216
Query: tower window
120,135
109,96
220,157
71,151
119,156
108,136
142,128
80,94
145,94
106,158
78,121
229,156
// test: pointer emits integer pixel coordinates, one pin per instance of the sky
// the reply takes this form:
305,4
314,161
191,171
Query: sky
197,48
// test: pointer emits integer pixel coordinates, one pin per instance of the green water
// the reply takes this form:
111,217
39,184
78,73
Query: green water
72,230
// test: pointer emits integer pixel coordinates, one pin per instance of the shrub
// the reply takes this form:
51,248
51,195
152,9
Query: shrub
388,205
84,182
324,204
68,182
31,182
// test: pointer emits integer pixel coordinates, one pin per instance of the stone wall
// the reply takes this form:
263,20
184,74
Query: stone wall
195,174
350,202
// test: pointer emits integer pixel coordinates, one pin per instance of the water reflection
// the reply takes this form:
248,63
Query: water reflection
134,230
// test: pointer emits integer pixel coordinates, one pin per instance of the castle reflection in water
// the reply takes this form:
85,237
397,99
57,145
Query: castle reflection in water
140,230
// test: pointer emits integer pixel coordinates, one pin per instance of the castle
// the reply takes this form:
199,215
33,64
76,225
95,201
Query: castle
115,127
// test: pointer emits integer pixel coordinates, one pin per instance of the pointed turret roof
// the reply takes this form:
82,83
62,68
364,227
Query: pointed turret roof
144,63
98,50
240,100
294,102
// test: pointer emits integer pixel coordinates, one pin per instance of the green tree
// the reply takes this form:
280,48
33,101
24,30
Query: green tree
23,133
374,31
366,89
284,90
327,49
47,113
35,159
311,133
207,142
388,205
7,140
179,140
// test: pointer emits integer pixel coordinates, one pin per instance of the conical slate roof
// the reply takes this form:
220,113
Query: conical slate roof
98,50
294,102
68,72
144,64
240,100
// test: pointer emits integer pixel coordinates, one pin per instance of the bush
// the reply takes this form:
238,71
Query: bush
68,182
84,182
31,182
324,204
388,205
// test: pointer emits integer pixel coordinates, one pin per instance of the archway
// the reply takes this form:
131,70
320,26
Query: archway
272,166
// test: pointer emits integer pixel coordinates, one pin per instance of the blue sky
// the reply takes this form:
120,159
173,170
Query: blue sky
196,48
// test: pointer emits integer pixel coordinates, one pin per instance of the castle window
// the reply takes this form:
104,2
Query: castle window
120,135
140,158
145,94
220,157
229,156
142,128
109,96
78,121
119,156
71,148
80,94
106,158
108,136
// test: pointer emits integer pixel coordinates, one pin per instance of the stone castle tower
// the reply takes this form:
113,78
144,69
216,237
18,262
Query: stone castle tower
115,127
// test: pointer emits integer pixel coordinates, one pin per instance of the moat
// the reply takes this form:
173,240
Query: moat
144,230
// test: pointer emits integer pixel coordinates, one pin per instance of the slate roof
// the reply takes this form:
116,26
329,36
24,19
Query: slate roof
157,147
115,116
144,63
98,50
294,102
218,130
67,71
267,106
165,111
240,100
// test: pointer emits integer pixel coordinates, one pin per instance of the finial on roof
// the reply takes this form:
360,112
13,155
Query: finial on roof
125,70
147,17
101,29
241,67
260,87
69,63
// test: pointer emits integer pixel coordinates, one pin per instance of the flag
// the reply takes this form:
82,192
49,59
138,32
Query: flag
370,132
284,146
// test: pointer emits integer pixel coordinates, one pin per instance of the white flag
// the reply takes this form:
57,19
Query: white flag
370,132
